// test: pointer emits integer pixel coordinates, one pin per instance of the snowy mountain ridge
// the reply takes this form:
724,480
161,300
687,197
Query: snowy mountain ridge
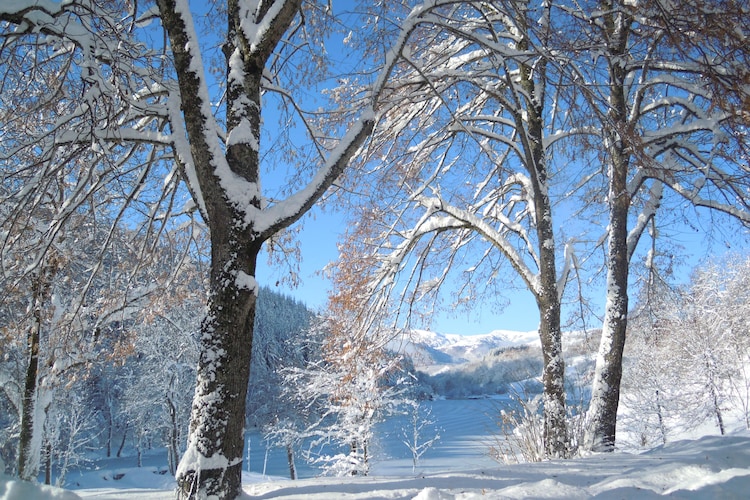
430,348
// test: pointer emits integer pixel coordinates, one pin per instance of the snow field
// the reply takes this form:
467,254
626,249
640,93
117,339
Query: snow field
457,468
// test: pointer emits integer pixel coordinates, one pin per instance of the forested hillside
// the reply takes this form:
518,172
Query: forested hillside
138,398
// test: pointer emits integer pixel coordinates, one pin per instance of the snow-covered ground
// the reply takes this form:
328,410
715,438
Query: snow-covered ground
457,467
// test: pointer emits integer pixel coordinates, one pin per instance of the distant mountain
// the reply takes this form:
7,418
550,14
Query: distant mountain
429,348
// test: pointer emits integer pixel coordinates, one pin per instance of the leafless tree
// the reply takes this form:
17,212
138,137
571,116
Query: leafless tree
129,91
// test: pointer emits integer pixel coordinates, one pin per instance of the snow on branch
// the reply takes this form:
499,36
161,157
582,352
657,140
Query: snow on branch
496,238
284,213
647,213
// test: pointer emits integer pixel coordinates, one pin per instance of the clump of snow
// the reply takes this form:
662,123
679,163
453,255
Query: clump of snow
429,494
247,282
14,489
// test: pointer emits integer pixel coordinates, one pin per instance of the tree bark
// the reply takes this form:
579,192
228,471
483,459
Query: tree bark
547,294
30,442
122,441
605,397
28,457
290,460
212,463
605,394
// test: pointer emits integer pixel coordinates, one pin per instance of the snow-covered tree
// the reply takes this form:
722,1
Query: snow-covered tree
716,349
464,183
653,382
663,140
140,93
165,352
420,433
686,363
734,272
70,431
351,385
70,321
351,392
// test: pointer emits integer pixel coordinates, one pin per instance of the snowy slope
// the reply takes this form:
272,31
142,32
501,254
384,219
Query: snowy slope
430,348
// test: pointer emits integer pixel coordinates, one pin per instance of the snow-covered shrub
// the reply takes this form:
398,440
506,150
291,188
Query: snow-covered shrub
521,431
421,432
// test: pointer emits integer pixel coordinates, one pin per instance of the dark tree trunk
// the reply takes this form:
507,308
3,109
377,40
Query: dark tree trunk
605,397
212,464
290,460
660,416
26,468
48,463
605,394
28,456
174,447
110,432
546,293
122,441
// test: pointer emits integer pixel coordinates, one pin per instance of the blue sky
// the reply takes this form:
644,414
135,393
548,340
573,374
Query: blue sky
318,243
321,230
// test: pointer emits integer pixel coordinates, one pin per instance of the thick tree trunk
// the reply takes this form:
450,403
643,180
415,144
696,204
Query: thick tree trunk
550,333
28,453
714,394
553,379
212,463
546,293
228,192
605,396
